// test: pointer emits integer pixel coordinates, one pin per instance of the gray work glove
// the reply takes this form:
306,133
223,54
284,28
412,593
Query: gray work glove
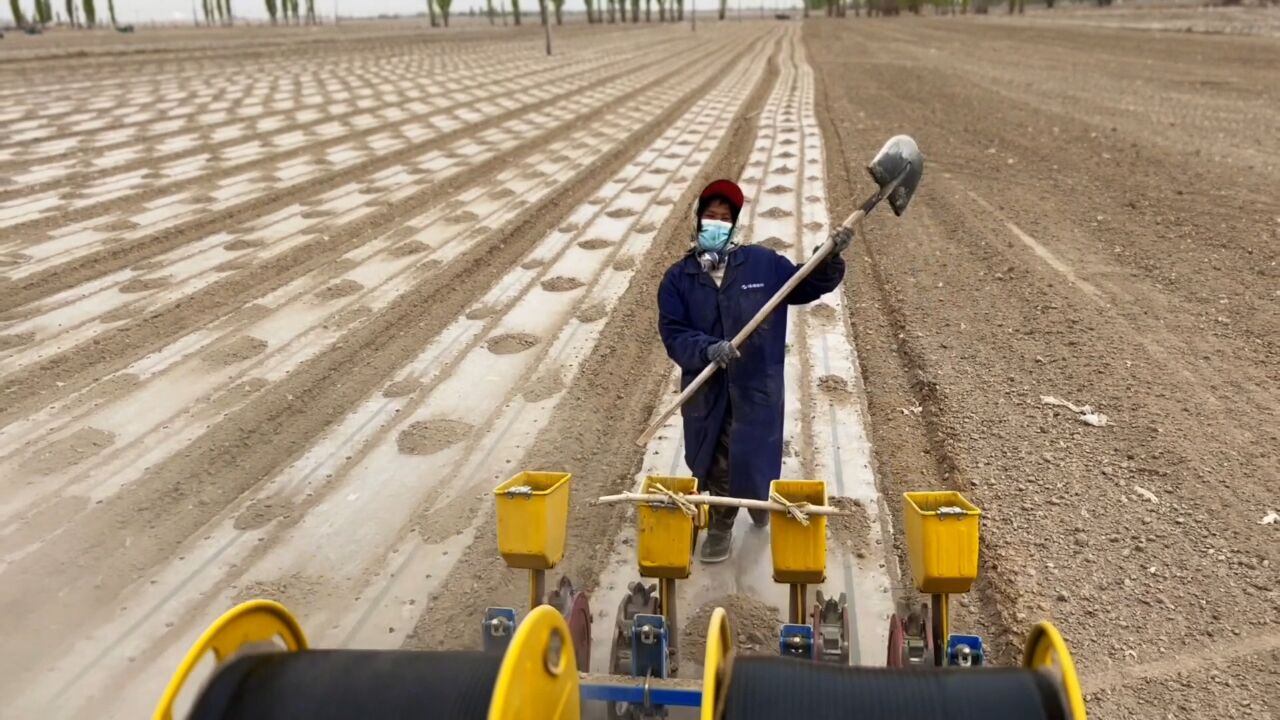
841,236
722,352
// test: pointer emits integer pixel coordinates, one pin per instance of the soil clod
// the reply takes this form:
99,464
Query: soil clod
9,341
511,343
834,385
339,289
139,285
402,388
561,283
429,437
69,451
238,350
413,247
755,625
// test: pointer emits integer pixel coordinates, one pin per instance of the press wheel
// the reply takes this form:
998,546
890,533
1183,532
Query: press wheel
830,615
895,654
576,608
935,634
640,599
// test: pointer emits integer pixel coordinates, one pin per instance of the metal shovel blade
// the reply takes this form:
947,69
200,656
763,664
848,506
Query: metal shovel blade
898,161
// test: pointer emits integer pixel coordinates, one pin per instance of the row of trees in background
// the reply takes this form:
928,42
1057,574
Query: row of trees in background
218,12
613,11
839,8
84,15
943,7
598,11
952,7
288,12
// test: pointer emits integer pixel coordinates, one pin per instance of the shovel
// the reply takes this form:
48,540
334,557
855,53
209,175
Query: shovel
896,170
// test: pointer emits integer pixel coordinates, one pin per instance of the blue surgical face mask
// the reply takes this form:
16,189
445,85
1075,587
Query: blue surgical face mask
714,235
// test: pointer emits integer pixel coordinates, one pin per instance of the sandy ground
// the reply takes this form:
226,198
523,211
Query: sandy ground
1099,223
279,308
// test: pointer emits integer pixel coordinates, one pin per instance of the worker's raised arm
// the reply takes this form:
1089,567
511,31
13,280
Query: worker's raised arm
824,278
685,345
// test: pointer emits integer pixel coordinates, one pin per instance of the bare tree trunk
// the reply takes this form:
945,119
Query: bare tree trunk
648,10
635,11
431,12
515,11
18,18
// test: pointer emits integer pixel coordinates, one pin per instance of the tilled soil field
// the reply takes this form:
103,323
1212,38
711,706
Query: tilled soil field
276,333
1099,224
278,310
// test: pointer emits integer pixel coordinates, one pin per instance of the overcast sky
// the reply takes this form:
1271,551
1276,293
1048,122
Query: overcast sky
180,10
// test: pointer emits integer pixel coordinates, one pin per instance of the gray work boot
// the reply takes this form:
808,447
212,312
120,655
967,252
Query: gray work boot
716,545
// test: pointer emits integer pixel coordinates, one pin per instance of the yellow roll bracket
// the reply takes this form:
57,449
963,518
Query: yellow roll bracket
715,663
1046,650
539,673
250,623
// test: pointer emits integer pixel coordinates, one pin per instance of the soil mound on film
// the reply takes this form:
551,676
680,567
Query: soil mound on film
429,437
755,625
511,343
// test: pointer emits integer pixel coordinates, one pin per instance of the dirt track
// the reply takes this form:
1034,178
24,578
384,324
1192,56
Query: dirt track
275,329
1099,223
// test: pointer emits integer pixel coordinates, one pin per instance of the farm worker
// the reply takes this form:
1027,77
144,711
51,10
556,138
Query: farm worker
733,424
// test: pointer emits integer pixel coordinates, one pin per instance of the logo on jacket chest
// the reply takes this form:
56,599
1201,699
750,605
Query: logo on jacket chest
752,286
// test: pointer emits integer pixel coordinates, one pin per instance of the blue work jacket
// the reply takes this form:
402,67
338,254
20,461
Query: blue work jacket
693,314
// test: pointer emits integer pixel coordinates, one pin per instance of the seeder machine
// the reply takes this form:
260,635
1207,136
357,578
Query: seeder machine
537,666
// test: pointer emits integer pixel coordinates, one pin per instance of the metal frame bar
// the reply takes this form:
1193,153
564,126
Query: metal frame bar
635,694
